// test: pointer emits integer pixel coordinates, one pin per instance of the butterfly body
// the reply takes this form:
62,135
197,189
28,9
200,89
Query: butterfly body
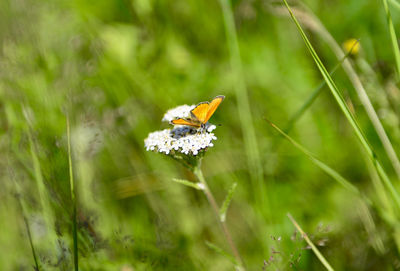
200,115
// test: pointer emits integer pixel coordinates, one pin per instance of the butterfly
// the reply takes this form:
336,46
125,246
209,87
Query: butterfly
200,115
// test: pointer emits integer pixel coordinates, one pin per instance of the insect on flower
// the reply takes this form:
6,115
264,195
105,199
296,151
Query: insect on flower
185,140
200,115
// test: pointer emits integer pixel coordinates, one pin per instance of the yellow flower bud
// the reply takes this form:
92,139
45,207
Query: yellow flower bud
351,46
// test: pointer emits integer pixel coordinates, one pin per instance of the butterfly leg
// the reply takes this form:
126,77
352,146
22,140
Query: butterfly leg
203,128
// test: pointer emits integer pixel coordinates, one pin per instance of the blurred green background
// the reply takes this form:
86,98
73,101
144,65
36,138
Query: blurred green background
116,66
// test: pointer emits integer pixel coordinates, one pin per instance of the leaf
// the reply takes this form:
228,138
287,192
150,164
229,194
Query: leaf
221,252
227,201
393,37
198,186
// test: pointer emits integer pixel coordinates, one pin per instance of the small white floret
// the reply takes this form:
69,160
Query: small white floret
182,111
191,144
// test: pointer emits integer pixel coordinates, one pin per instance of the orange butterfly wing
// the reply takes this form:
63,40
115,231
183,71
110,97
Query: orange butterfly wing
213,106
200,112
185,122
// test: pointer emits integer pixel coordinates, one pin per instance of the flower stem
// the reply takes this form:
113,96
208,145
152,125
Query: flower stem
210,197
73,199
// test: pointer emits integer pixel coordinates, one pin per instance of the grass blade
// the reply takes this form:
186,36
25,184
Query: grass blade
370,227
393,37
28,231
210,197
395,4
73,198
343,106
360,90
227,201
38,176
331,172
24,212
221,252
313,96
313,247
198,186
246,121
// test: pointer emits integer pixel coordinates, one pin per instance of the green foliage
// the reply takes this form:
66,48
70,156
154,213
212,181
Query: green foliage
188,183
115,67
227,202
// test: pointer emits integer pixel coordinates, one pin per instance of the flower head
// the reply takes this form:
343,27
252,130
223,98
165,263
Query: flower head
182,111
183,142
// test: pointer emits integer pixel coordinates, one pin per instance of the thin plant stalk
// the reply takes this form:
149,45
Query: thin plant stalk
306,105
310,243
370,227
393,37
40,183
26,222
245,117
73,198
395,4
327,169
313,96
210,197
28,231
380,191
318,27
346,111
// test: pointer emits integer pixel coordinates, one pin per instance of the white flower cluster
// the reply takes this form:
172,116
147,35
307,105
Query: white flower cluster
182,111
182,139
165,142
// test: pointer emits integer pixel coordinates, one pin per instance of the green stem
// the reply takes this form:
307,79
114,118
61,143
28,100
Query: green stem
28,231
310,100
24,216
393,37
342,104
395,4
245,117
310,243
199,174
73,198
361,92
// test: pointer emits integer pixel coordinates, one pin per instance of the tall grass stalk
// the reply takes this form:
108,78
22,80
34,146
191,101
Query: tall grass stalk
395,4
246,120
220,251
73,199
313,96
342,104
364,202
28,231
385,203
210,197
24,212
393,37
370,227
316,25
38,176
327,169
310,243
